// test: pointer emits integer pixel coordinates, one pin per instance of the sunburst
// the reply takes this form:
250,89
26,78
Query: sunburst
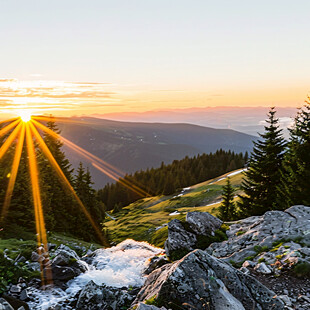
24,130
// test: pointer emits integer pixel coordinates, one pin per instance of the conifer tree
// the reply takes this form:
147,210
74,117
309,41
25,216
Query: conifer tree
294,186
60,201
263,174
227,209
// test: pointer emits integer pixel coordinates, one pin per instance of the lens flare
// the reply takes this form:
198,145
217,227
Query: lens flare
25,116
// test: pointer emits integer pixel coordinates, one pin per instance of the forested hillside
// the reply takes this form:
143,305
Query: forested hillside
169,178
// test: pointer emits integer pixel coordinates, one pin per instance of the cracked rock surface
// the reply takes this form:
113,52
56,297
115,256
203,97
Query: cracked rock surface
200,281
247,236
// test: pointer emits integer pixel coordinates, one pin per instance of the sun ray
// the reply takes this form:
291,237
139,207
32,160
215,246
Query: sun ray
39,217
96,162
9,120
14,170
65,181
9,127
5,146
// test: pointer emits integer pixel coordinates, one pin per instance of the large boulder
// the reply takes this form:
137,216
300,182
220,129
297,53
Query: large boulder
65,266
200,281
250,236
179,239
197,232
203,223
100,297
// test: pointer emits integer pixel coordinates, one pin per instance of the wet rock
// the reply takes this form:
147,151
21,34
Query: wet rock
200,279
24,295
94,297
203,223
64,256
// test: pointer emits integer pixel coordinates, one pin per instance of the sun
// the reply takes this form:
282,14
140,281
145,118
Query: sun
25,116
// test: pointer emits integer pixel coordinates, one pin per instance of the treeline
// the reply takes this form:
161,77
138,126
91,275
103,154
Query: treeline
167,179
278,172
61,211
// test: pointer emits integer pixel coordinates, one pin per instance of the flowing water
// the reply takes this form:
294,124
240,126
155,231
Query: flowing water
118,266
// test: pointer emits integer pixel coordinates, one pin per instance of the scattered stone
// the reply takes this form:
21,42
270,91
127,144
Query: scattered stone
262,268
286,300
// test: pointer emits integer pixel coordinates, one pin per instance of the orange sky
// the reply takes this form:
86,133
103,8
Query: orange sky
80,98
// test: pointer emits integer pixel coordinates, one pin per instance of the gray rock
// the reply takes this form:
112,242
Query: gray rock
24,295
15,289
96,297
64,256
35,256
262,268
286,300
273,226
179,238
156,262
245,270
203,223
4,305
199,279
34,266
248,263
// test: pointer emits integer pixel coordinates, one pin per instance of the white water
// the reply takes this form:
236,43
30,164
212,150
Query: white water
119,266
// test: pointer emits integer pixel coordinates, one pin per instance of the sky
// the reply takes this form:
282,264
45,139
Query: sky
78,57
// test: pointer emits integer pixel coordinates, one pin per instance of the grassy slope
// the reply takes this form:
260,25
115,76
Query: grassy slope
141,219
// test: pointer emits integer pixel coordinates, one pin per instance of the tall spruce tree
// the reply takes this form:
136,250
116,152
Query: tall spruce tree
227,209
294,186
60,200
263,174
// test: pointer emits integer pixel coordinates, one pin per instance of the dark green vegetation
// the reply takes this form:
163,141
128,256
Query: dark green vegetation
227,209
168,179
133,146
263,174
61,211
279,171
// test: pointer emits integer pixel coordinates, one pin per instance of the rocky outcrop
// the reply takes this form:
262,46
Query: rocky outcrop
200,281
254,235
203,223
100,297
66,265
184,237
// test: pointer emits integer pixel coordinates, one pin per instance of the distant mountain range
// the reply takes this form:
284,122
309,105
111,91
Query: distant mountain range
133,146
249,120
